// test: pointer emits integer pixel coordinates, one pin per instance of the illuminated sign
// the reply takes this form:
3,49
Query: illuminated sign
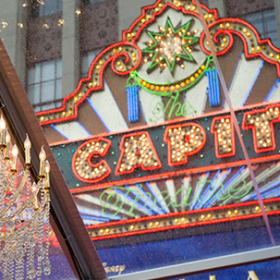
180,147
163,58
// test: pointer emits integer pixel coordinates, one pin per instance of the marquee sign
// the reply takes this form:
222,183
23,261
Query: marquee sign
164,57
174,148
176,169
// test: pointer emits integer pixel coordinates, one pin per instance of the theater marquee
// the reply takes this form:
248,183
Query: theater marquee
163,152
174,148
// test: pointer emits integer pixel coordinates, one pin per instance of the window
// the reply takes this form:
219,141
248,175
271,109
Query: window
44,85
265,23
49,7
87,60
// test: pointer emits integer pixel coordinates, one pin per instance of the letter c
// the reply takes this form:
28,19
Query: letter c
82,166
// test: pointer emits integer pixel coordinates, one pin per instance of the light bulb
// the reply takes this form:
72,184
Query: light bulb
47,166
8,140
47,174
15,151
2,123
27,143
34,187
42,155
8,137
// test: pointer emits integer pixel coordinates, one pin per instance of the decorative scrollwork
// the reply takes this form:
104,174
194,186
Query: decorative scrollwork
222,32
124,58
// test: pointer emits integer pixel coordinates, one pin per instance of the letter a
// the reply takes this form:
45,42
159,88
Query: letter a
252,275
137,151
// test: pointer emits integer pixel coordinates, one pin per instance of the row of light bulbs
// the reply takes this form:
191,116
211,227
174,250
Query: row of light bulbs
183,220
5,142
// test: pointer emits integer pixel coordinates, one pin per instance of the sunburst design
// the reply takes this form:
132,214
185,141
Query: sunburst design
170,46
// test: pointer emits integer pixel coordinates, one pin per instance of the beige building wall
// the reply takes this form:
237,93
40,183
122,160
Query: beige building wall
219,5
13,26
70,47
129,11
277,13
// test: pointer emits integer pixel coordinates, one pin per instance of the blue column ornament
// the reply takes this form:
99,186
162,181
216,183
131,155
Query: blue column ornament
132,100
213,87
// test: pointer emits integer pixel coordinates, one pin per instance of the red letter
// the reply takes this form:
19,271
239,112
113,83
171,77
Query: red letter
261,121
183,141
82,166
137,151
222,127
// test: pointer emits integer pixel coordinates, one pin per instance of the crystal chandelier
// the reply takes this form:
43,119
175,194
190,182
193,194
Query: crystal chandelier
24,218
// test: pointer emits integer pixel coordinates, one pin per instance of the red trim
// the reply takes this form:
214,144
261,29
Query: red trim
174,173
136,23
210,114
88,80
122,148
171,215
180,172
187,225
229,32
88,162
158,13
154,14
113,58
175,214
232,153
167,140
252,126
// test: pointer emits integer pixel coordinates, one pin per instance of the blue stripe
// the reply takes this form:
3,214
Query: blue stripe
84,217
133,201
217,92
210,88
206,190
271,91
271,191
128,103
226,185
151,190
154,207
55,128
254,195
84,129
92,106
252,84
213,197
136,104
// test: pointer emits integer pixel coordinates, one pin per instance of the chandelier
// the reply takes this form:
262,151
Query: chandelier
24,212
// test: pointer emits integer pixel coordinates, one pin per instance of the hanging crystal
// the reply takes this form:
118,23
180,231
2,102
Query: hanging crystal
24,213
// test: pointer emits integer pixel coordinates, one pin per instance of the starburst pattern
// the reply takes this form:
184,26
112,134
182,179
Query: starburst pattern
170,46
